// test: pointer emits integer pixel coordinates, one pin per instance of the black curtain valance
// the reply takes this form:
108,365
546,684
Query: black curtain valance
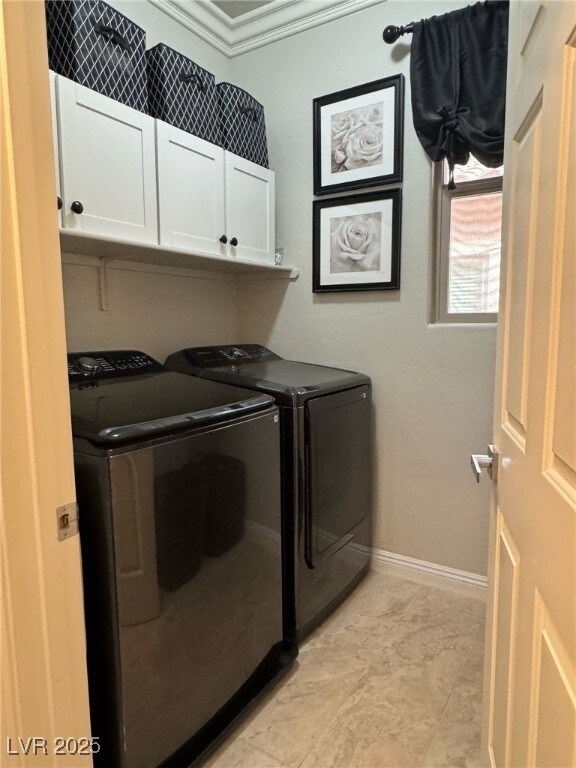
458,78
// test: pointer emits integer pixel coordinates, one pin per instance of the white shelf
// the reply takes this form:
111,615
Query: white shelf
108,248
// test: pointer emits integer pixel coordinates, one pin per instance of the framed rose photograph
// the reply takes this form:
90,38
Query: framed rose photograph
357,242
358,136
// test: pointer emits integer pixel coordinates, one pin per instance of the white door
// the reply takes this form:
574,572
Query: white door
249,209
190,191
530,697
108,166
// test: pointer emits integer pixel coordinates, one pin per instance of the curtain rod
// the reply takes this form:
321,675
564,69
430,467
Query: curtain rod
392,33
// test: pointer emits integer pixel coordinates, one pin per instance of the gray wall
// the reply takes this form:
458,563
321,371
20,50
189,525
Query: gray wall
432,385
158,313
160,28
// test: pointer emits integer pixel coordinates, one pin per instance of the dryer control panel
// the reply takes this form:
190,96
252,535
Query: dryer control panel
110,364
238,354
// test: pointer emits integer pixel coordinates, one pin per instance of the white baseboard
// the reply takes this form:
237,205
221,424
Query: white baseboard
388,562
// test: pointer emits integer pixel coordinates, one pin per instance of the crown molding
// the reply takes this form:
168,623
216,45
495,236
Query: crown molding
290,20
245,18
276,21
204,24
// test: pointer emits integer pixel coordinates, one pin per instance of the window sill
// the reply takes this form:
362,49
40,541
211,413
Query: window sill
462,324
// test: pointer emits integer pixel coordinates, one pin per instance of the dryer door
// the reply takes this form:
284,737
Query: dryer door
338,470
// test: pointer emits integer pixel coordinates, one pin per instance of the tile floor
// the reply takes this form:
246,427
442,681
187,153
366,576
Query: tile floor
393,679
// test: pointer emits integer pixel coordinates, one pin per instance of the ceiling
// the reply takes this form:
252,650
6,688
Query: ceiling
235,8
237,26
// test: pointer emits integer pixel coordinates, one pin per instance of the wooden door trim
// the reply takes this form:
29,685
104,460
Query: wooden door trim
44,690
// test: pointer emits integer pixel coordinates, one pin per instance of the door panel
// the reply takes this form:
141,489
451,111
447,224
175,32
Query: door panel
505,609
527,161
190,191
108,164
250,209
553,698
564,298
530,701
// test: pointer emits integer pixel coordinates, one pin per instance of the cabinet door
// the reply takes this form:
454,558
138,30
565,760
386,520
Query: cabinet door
190,191
55,140
249,209
108,165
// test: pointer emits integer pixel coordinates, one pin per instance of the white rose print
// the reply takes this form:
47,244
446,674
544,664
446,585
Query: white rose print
342,125
357,138
355,243
364,147
374,114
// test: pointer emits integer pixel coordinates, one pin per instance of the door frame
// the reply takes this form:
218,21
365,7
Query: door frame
44,691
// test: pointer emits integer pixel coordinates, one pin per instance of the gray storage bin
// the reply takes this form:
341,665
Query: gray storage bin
93,44
242,124
182,93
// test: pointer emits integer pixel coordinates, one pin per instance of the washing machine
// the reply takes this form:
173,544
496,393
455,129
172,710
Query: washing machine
325,417
180,523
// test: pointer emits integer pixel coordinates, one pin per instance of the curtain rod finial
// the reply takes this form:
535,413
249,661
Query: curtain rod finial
392,33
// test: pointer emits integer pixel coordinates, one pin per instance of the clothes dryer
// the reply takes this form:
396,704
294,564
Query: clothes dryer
325,416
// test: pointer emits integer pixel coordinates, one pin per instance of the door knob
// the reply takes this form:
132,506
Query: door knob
59,202
223,239
234,241
487,461
77,207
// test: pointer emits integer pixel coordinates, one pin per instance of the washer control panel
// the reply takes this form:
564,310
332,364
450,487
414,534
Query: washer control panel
239,354
110,364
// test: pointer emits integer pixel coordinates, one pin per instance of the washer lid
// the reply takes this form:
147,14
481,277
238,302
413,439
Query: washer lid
290,382
296,378
110,411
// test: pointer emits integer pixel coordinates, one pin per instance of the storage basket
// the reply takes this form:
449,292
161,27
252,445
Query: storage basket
182,93
242,124
95,45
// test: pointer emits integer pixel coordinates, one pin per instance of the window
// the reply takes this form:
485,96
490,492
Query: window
468,246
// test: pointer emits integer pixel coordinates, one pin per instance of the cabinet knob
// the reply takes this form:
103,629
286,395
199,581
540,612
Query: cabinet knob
234,241
77,207
59,202
223,239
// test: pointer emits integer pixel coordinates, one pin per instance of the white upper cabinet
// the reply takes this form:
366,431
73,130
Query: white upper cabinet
130,180
249,209
190,191
211,201
108,166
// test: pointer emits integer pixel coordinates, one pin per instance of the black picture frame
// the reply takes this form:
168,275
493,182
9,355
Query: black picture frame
355,127
365,227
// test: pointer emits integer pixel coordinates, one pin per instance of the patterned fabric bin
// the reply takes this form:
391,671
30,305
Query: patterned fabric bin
242,124
95,45
182,93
